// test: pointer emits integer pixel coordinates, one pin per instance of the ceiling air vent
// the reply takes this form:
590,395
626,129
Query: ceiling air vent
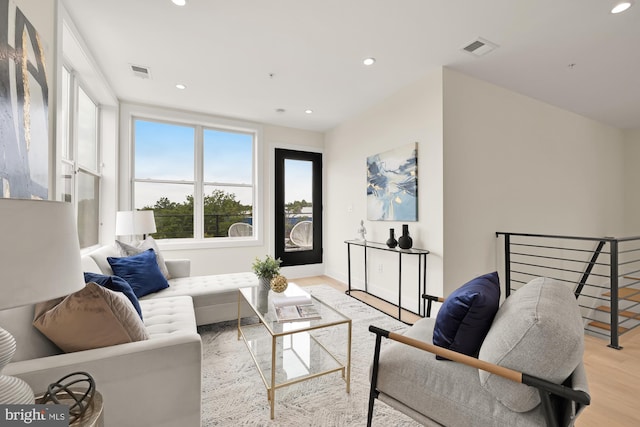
140,71
480,47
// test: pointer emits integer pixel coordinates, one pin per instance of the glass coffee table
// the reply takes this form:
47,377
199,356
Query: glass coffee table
288,353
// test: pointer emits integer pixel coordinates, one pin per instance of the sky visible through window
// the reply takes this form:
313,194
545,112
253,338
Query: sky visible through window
165,151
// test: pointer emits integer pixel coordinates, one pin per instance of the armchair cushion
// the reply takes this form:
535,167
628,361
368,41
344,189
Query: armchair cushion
449,394
538,331
466,315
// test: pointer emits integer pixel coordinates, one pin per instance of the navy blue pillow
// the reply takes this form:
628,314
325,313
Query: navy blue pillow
141,271
117,284
466,315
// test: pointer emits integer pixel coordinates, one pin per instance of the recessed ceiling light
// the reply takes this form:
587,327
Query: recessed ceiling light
308,111
179,2
621,6
369,61
181,86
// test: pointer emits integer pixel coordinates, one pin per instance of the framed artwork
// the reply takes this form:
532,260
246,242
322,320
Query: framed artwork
392,184
24,94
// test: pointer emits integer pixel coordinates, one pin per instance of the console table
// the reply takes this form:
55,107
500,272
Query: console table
421,255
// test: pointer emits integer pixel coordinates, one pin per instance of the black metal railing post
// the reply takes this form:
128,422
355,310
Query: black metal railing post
587,271
507,264
613,244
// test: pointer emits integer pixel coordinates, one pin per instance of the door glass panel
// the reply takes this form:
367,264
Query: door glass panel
298,208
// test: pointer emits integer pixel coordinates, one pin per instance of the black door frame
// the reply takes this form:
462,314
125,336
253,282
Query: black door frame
313,256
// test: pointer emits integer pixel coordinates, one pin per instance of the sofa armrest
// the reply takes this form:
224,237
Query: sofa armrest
158,379
178,267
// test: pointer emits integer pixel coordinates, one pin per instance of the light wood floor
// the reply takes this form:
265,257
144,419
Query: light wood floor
614,375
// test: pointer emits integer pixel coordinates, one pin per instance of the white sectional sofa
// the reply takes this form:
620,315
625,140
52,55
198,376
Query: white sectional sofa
155,382
215,297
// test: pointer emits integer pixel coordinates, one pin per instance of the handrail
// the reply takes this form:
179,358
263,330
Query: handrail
553,236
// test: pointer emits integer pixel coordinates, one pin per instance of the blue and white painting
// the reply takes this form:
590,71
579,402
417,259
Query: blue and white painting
392,184
24,101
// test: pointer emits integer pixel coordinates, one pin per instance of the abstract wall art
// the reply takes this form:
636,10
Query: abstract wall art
392,184
24,94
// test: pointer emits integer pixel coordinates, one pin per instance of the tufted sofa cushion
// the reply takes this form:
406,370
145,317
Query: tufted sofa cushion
215,297
198,286
168,316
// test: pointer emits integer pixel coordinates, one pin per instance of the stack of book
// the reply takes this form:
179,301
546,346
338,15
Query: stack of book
294,304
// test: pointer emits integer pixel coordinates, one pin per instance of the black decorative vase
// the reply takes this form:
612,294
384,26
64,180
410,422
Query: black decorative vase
392,242
405,241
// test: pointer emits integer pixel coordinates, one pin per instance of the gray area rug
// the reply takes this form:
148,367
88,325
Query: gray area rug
233,393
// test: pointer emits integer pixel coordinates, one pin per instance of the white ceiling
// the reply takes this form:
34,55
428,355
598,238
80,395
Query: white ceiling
225,50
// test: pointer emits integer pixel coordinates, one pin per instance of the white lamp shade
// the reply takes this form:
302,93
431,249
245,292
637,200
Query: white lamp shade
131,223
124,223
145,222
40,252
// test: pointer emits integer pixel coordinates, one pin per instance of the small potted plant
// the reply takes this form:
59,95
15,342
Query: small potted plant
266,269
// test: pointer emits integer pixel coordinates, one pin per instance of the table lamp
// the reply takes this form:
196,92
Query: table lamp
133,223
39,261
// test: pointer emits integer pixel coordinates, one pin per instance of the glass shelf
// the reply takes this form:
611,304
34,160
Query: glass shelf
384,247
299,356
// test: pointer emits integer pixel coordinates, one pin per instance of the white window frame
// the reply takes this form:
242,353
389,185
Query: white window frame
75,84
131,112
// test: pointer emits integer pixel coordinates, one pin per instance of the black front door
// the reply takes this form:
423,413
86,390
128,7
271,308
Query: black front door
298,207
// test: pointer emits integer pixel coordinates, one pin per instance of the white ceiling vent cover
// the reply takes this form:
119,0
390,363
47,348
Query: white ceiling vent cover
141,71
480,47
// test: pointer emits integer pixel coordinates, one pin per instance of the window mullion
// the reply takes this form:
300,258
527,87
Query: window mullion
73,136
198,196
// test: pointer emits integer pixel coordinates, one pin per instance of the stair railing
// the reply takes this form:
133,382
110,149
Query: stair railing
594,274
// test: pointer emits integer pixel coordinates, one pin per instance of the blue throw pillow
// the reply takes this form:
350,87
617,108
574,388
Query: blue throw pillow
141,271
117,284
466,315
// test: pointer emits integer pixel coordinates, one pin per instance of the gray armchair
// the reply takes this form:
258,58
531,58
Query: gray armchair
529,370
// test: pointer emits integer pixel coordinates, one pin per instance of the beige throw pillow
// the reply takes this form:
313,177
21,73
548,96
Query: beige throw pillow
93,317
146,244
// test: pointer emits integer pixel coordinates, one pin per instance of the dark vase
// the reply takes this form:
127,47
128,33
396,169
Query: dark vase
405,242
392,242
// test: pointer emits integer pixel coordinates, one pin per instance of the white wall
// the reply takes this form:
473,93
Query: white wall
413,114
632,182
512,163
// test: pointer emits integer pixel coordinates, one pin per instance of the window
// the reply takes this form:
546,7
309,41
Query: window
80,159
199,180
